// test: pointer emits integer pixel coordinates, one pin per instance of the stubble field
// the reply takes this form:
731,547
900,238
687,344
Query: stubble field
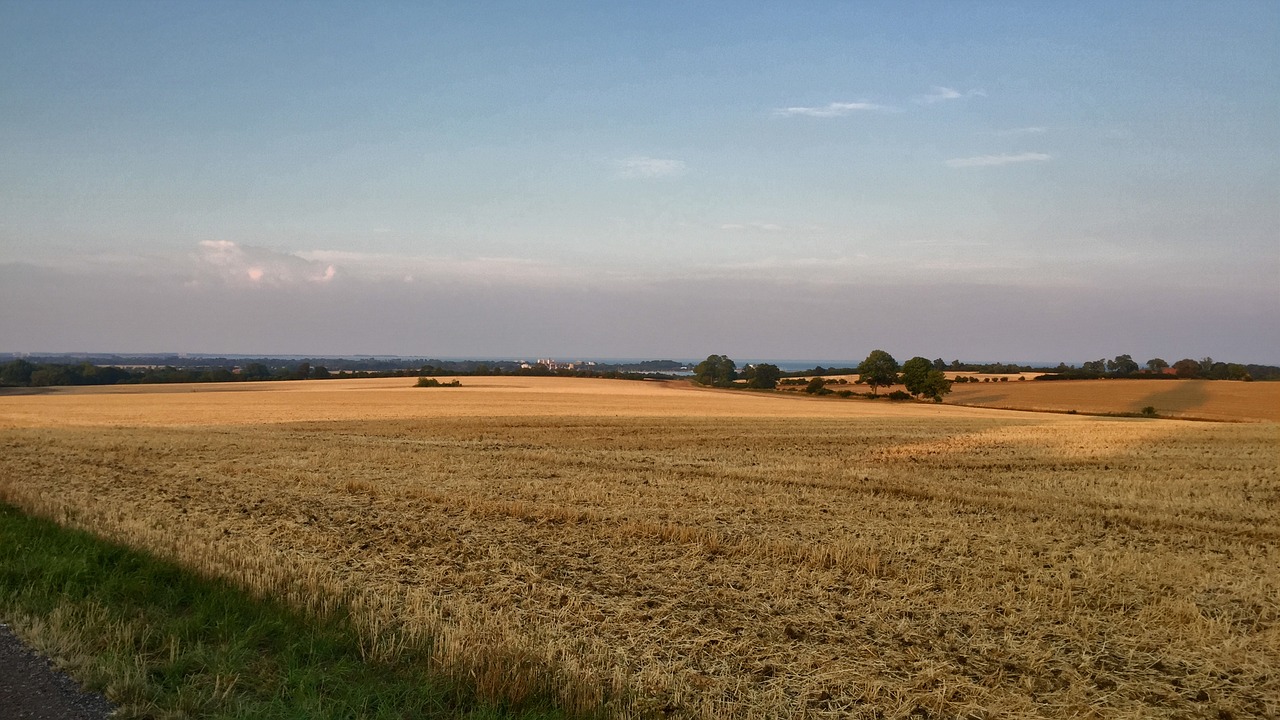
668,551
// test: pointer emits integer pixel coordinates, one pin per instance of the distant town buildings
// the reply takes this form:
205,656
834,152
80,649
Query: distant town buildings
555,365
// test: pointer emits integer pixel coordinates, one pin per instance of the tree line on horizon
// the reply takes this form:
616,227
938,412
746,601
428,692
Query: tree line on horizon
919,375
22,372
924,378
1124,366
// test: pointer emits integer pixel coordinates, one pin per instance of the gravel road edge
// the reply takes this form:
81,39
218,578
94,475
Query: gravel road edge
31,688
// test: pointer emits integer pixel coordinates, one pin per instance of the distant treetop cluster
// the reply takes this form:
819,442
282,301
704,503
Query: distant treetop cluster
921,376
1124,366
927,379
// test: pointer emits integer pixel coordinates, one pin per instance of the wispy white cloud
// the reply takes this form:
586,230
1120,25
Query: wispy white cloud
770,227
1032,130
938,95
990,160
941,94
640,166
835,109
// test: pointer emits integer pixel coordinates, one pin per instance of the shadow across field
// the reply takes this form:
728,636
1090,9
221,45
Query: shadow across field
1181,397
26,391
986,400
1215,400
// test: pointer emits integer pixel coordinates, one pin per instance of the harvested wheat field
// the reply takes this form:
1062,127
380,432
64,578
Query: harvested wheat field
1202,399
668,551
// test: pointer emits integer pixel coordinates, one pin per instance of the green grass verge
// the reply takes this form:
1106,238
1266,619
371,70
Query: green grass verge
162,642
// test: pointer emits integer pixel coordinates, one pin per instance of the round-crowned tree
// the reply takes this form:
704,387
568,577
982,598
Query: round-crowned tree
716,370
1187,368
817,386
936,385
878,370
915,373
764,376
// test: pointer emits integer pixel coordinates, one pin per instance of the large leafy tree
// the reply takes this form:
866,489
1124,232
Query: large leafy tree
817,386
764,376
922,378
255,371
878,370
935,385
915,373
1187,368
716,370
1122,365
17,372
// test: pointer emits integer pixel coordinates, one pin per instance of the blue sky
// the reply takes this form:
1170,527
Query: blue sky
976,180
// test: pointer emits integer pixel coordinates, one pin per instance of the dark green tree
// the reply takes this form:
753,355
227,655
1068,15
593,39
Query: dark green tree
1122,365
1187,368
935,385
915,373
16,373
939,364
817,386
216,375
48,375
878,370
716,371
763,376
255,371
1156,365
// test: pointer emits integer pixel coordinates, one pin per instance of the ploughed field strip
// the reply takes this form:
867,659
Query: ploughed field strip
736,567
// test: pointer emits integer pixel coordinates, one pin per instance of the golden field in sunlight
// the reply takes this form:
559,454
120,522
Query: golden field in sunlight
670,551
395,398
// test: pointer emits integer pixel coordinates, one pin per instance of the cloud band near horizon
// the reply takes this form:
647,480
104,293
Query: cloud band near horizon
835,109
996,160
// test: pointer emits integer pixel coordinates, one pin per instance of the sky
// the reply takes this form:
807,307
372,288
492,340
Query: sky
977,180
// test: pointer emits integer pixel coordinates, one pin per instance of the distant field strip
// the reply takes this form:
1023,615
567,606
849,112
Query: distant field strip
667,551
1203,399
394,398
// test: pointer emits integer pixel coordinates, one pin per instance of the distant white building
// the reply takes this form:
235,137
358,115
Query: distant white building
556,365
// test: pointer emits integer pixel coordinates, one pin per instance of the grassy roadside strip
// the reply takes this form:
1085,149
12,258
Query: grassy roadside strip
161,642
